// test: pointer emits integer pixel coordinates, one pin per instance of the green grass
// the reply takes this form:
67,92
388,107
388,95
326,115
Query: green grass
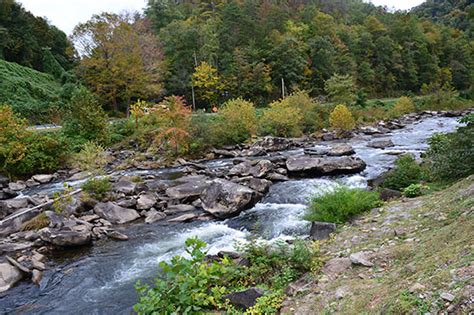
341,204
30,93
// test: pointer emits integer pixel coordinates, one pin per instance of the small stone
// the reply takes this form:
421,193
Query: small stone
361,258
9,275
447,296
38,265
116,235
184,218
153,216
18,265
17,186
43,178
36,276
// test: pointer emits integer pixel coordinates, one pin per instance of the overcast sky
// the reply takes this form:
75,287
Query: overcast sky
65,14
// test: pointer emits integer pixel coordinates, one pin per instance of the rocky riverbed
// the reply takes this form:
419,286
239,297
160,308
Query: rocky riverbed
97,249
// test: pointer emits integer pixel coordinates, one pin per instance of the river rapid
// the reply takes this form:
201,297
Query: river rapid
100,279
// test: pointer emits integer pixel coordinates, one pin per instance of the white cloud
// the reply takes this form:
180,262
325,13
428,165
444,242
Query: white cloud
65,14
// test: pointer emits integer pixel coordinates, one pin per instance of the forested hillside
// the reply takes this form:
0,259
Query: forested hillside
248,47
27,39
455,13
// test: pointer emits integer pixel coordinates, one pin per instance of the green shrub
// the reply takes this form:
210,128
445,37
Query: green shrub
406,172
237,121
194,285
85,119
341,118
313,113
121,129
403,106
91,158
281,120
341,89
97,188
414,190
341,204
451,156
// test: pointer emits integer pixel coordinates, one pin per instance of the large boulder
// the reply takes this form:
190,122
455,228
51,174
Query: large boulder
271,144
125,186
244,299
381,144
191,189
146,201
66,238
4,181
114,213
9,276
224,198
8,227
308,165
11,205
341,150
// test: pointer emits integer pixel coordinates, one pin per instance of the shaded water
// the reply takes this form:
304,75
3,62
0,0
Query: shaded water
100,279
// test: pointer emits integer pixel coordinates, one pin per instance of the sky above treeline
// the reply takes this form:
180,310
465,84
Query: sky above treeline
67,14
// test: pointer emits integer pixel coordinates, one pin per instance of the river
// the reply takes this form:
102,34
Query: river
100,279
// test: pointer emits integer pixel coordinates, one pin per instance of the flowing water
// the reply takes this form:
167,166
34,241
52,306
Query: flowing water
100,279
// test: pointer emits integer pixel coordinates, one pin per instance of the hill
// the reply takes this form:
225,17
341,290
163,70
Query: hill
31,93
454,13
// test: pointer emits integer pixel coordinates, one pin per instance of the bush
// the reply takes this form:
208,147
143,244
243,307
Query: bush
85,119
414,190
203,132
406,172
281,120
97,188
451,156
195,285
403,106
237,121
341,118
91,158
120,130
313,114
341,204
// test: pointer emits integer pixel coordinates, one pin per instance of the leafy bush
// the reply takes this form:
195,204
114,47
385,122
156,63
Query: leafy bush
414,190
203,132
451,156
85,119
91,158
341,204
403,106
237,121
281,120
313,113
24,152
97,188
341,118
406,172
196,285
121,129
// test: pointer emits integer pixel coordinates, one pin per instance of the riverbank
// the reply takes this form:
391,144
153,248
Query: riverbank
291,172
418,257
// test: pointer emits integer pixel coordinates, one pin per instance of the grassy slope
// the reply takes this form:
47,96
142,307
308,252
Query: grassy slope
435,250
28,91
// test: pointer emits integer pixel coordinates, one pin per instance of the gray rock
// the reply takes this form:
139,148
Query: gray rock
244,299
125,186
43,178
9,276
10,205
127,203
341,150
153,216
114,213
38,265
305,165
321,230
146,201
387,194
369,130
248,168
276,177
224,198
174,209
20,267
336,266
14,225
447,296
65,238
316,151
231,255
361,258
271,144
31,183
257,184
17,186
189,190
80,176
116,235
4,181
381,144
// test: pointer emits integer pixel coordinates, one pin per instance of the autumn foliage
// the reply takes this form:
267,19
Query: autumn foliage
341,118
403,106
238,121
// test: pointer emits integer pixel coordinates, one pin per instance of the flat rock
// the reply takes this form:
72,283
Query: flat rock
336,266
224,198
381,144
17,186
387,194
271,144
116,235
189,190
65,238
146,201
341,150
307,165
20,267
248,168
174,209
125,186
185,217
43,178
361,258
244,299
447,296
114,213
154,216
36,276
9,276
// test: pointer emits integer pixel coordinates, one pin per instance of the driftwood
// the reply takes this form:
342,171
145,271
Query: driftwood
43,205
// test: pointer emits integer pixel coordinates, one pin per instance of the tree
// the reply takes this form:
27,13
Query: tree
341,118
207,82
113,59
341,88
